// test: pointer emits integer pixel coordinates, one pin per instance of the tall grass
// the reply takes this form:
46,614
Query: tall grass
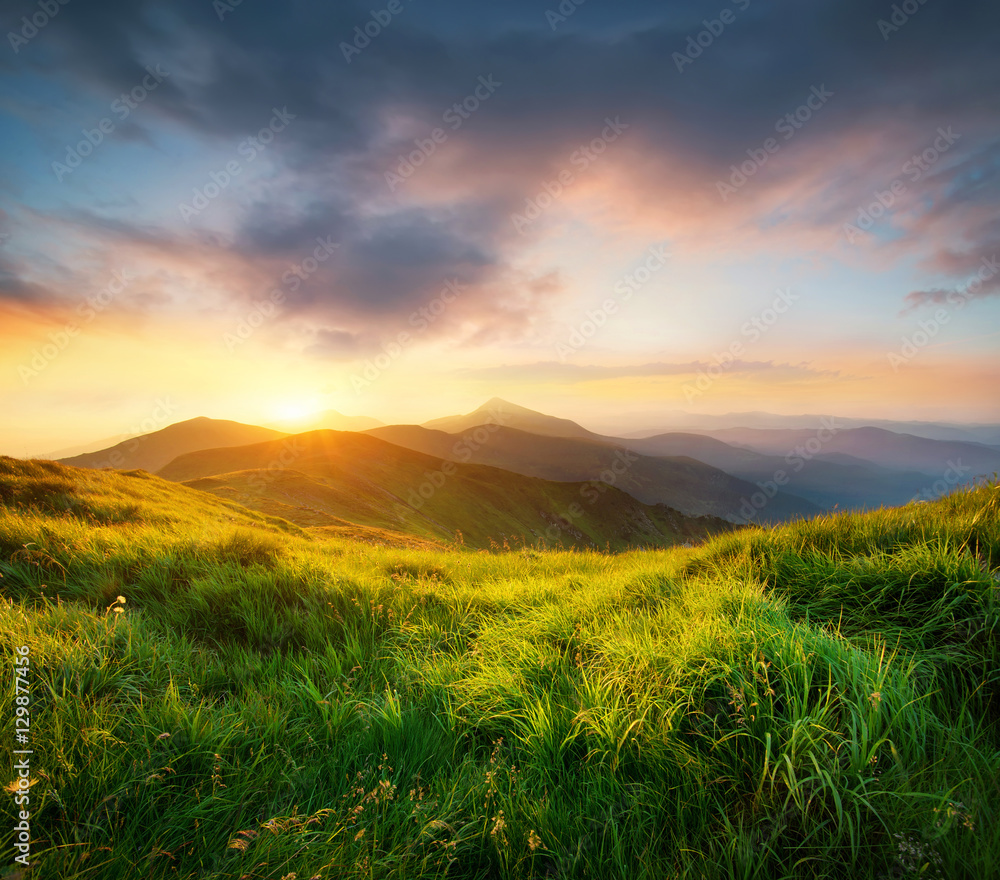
818,700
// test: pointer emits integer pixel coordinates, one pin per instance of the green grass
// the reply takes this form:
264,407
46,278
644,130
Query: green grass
817,700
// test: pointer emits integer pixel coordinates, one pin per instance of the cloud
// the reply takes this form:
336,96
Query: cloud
340,345
451,219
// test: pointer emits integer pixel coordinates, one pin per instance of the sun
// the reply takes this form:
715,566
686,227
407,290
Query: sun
295,410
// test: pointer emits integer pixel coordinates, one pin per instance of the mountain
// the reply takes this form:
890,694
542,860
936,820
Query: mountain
884,448
690,486
700,423
152,451
329,478
835,480
510,415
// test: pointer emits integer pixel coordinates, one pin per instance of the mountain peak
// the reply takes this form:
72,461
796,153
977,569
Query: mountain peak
495,404
502,412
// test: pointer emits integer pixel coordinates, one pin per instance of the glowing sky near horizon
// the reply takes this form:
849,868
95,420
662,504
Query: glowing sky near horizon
634,208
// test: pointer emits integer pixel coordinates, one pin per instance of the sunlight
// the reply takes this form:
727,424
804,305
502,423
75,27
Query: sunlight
296,410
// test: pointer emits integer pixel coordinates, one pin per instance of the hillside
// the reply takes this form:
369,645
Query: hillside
152,451
325,477
681,482
220,695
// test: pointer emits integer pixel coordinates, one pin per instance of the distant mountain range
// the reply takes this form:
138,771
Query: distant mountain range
681,482
844,481
698,423
504,470
328,478
828,464
886,449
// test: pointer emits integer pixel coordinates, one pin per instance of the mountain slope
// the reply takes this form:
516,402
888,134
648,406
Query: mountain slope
152,451
323,478
691,486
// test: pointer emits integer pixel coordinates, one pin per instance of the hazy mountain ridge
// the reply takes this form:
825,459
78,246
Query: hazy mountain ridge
884,448
843,480
695,474
697,423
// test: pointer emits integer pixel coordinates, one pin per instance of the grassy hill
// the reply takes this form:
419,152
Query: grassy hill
219,694
323,477
681,482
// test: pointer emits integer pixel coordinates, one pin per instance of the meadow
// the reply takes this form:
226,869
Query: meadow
215,693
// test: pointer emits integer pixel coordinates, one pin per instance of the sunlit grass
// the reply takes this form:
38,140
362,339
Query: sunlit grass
817,700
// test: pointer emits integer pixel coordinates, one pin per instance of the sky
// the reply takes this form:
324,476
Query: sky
399,209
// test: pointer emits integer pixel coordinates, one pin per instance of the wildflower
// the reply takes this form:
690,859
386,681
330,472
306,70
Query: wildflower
499,823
